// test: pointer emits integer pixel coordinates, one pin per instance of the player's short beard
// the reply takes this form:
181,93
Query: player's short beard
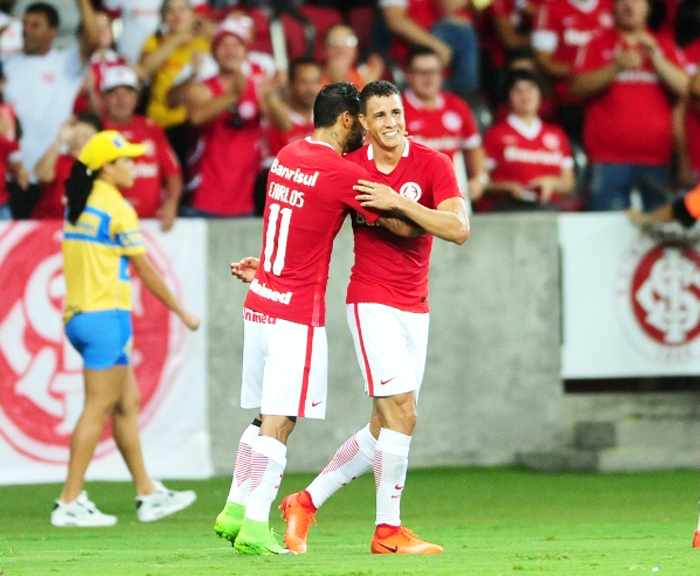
356,137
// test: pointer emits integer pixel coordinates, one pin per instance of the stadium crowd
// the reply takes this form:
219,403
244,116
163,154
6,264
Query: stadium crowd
542,104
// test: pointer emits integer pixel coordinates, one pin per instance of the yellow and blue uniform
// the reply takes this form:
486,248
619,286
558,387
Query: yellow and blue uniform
98,290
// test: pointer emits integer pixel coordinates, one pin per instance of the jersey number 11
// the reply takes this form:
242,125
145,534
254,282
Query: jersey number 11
276,237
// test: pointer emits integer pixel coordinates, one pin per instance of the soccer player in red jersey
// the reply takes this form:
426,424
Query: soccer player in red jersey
309,194
388,316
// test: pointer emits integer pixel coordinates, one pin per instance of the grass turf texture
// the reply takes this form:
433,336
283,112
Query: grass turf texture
490,521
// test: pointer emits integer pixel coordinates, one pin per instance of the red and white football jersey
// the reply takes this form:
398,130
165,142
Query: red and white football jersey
448,128
228,157
309,193
518,152
630,121
388,269
563,27
159,162
277,139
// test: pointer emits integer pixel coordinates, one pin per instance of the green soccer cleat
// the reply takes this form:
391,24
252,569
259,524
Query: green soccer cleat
229,521
257,539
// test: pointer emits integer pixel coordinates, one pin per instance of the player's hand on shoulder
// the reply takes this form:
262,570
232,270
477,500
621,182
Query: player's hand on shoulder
245,269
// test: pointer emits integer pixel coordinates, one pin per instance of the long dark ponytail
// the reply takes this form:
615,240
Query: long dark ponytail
78,188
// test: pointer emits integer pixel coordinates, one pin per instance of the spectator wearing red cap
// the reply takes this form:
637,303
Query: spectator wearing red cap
157,184
630,77
227,111
530,160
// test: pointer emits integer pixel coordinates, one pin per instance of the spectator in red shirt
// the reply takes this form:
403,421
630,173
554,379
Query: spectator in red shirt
158,180
630,77
530,160
561,29
441,120
227,111
54,167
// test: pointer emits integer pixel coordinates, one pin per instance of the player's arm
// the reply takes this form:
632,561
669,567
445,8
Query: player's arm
400,226
152,280
449,221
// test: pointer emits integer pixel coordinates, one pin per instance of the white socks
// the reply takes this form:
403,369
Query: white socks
268,458
240,483
350,461
390,466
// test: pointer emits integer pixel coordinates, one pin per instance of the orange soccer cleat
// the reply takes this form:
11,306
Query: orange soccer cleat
298,510
399,540
696,539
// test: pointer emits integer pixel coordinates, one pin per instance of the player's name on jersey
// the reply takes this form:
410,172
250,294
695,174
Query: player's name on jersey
269,294
296,175
282,193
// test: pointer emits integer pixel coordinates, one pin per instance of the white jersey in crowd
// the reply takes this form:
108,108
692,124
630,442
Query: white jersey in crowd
42,89
140,19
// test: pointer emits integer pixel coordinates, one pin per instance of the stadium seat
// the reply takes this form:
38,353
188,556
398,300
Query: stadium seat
299,35
362,20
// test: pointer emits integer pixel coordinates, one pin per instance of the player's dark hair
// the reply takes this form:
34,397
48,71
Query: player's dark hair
294,66
379,88
522,74
78,187
90,119
333,100
47,10
417,50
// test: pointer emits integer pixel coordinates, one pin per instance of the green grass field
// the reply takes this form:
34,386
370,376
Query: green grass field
490,521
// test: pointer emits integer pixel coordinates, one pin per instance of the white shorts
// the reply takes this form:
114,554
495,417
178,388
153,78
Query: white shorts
285,367
391,346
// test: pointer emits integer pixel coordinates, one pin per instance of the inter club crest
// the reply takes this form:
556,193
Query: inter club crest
657,296
41,384
411,190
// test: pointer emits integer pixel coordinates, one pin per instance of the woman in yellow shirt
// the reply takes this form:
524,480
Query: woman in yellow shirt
163,56
101,236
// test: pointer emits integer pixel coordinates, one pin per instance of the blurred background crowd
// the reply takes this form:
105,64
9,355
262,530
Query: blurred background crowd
542,104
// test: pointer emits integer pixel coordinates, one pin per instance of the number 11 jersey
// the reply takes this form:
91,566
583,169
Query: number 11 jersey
309,193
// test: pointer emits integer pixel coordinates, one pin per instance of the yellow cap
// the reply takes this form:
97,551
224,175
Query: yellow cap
106,147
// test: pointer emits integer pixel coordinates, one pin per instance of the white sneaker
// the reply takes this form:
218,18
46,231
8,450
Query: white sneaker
162,503
80,512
